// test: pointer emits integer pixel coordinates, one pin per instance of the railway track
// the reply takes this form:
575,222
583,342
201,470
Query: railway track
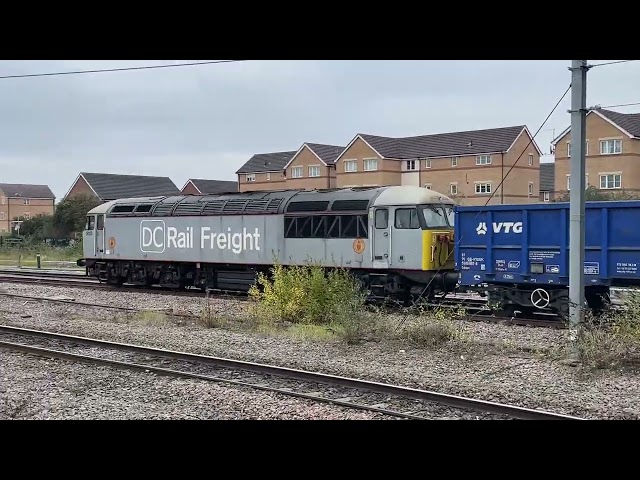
392,400
474,305
168,311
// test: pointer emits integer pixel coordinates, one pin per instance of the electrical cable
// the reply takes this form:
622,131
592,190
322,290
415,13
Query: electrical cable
123,69
610,63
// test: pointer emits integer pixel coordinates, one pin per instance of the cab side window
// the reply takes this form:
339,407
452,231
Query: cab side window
382,218
100,222
407,218
91,222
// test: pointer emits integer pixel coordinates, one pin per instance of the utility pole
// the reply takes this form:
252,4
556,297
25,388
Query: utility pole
577,196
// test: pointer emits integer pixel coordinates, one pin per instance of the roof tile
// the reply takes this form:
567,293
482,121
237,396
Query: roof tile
628,121
110,186
26,191
266,162
471,142
547,177
214,186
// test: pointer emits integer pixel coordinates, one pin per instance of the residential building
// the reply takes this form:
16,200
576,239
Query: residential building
547,179
264,171
312,167
110,186
612,152
199,186
468,166
19,202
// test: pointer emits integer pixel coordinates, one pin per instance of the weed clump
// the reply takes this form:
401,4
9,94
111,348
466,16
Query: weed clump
437,327
612,340
310,295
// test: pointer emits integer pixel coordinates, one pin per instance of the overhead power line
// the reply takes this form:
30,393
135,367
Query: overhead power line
123,69
610,63
619,105
457,243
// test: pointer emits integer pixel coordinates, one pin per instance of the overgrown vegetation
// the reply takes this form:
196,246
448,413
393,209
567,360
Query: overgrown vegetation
438,326
41,233
310,295
310,302
612,340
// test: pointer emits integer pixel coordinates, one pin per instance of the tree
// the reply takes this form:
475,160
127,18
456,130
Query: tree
70,215
39,227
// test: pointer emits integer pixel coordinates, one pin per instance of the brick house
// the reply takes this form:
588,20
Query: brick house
312,166
264,171
612,152
20,202
199,186
110,186
468,166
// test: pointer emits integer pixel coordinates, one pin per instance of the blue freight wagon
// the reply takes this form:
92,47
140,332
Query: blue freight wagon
518,255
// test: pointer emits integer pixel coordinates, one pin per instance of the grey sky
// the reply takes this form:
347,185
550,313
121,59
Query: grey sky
206,121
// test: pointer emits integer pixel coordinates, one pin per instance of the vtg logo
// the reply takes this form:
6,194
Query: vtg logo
506,227
152,233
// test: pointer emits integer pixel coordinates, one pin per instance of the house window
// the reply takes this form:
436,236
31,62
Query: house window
546,196
586,181
454,161
483,188
27,201
530,159
611,180
3,200
350,166
314,171
453,188
268,175
427,163
609,147
483,160
370,164
296,172
586,148
427,186
530,188
251,177
411,165
2,216
26,215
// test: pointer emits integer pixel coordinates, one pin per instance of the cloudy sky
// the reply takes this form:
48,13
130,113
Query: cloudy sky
206,121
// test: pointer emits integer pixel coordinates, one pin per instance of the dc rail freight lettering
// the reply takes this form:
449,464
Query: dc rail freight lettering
399,241
396,240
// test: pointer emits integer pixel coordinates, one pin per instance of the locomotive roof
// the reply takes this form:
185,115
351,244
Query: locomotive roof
410,195
272,202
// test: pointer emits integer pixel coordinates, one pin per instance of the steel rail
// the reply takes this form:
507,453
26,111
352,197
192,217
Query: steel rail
97,305
45,352
302,375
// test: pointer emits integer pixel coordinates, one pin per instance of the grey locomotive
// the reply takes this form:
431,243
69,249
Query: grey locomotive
397,240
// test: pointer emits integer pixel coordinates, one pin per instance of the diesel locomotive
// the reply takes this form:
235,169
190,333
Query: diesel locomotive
398,240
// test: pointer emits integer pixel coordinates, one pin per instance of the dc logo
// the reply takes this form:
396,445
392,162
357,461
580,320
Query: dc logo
152,233
481,229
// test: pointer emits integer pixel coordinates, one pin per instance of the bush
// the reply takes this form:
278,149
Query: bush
434,328
310,294
613,339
